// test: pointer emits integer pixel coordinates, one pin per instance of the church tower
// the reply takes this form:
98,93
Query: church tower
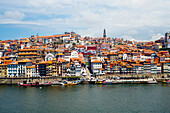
104,35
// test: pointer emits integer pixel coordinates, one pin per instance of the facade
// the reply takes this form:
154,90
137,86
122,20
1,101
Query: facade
96,65
31,71
12,70
3,70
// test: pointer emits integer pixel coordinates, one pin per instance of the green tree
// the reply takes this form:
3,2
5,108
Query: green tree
74,44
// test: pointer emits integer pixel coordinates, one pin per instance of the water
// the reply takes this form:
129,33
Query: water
123,98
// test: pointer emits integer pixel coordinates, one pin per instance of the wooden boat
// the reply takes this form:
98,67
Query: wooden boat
22,84
37,84
66,83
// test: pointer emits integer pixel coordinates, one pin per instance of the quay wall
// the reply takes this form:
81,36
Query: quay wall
14,81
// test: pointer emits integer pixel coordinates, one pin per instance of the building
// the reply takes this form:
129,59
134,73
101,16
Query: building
12,69
96,65
167,36
31,71
3,70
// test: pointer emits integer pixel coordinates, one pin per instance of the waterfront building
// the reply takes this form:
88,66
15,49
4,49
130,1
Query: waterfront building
153,68
59,68
42,68
96,65
54,67
49,68
13,69
158,68
64,67
137,68
147,68
3,70
31,71
22,65
165,67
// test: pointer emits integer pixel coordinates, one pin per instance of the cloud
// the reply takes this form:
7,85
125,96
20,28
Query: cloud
156,36
127,18
126,37
12,15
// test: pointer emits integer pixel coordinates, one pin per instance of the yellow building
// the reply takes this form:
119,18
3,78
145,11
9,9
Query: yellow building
54,67
3,70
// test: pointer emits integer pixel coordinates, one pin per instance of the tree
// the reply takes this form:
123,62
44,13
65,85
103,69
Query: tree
74,44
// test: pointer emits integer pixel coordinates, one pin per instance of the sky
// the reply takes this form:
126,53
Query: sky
141,20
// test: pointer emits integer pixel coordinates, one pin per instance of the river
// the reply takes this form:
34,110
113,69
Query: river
119,98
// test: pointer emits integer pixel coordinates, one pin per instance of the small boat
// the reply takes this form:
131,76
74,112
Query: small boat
56,83
66,83
104,82
24,83
152,81
167,81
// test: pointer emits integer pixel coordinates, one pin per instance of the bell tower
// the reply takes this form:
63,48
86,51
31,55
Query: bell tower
104,35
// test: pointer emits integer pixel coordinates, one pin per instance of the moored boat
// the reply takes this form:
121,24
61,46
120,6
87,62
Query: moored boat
167,81
22,84
36,84
67,83
106,82
152,81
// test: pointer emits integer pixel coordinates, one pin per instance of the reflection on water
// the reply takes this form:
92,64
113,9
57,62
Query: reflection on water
119,98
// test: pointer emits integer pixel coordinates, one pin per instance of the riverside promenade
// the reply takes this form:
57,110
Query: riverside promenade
15,80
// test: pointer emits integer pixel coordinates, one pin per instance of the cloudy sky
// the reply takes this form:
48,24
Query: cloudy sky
130,19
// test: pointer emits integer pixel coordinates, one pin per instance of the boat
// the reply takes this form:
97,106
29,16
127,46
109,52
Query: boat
167,81
24,83
152,81
66,83
37,84
56,83
106,82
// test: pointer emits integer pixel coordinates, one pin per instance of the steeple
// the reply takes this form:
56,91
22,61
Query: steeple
104,36
104,33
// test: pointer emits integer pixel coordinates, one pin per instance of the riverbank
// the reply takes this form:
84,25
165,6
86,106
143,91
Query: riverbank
15,80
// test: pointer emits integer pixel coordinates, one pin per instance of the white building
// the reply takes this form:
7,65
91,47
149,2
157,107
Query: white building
74,54
12,69
96,65
31,72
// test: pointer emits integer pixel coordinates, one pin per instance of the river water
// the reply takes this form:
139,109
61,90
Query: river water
122,98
